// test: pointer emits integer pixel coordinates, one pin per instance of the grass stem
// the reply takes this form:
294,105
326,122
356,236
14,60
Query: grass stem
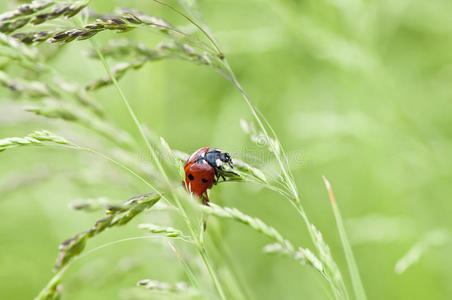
201,249
358,288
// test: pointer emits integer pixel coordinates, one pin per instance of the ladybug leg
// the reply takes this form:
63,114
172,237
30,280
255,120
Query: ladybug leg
226,172
205,199
217,176
230,172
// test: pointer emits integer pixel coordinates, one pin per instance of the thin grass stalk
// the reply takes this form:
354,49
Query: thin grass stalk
191,276
199,245
50,291
276,149
40,137
222,249
358,287
169,289
206,34
147,183
50,288
50,89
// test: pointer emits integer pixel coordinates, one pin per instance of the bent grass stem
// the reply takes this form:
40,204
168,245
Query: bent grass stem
199,244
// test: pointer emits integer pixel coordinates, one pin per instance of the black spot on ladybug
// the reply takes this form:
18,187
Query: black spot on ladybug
204,180
190,176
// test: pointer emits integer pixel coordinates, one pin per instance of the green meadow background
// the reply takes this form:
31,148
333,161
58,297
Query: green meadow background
358,91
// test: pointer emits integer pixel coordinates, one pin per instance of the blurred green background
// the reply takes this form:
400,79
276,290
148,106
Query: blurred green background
359,91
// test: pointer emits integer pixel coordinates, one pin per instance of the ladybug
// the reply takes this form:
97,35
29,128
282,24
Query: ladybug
204,168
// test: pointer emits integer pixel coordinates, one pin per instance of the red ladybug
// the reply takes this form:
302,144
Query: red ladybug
204,168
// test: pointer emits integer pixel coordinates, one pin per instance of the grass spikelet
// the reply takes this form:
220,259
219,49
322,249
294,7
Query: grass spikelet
33,89
302,255
75,245
283,246
247,171
37,13
15,50
34,138
178,49
258,137
125,22
255,223
119,71
95,204
432,239
167,231
25,10
143,55
163,287
286,186
25,89
65,9
72,113
173,159
325,254
178,290
120,48
52,290
54,110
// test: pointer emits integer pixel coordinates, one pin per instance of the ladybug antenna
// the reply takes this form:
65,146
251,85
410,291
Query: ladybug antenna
230,162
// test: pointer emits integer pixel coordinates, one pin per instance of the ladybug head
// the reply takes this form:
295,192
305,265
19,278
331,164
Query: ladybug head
217,157
226,158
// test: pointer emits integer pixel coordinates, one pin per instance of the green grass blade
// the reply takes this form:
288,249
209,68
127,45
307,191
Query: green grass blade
358,288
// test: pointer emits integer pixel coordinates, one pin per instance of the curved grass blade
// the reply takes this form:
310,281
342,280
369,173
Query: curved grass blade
358,288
